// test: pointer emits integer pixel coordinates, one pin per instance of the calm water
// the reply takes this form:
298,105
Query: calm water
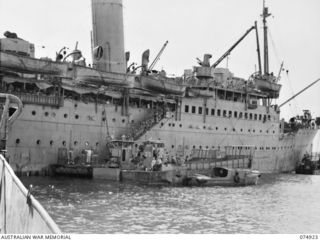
285,203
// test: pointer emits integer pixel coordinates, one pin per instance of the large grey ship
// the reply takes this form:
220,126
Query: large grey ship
71,105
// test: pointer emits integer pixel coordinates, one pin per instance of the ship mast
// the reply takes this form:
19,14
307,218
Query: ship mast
264,15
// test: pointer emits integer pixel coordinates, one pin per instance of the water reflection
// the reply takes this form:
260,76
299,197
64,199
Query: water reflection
284,203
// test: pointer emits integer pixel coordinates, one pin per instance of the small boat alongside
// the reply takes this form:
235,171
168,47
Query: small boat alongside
309,165
221,176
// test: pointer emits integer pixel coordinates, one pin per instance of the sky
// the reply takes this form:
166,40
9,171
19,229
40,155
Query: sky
193,28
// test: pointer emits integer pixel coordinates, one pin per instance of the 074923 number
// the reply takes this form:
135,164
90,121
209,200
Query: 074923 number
308,236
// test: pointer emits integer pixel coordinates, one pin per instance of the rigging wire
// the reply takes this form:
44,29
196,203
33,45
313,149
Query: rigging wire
296,105
274,47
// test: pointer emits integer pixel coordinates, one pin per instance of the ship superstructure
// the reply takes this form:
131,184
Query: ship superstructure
71,106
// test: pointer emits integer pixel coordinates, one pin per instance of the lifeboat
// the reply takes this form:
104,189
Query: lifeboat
163,84
268,85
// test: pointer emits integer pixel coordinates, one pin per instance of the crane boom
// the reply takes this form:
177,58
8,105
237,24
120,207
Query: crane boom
158,56
233,46
299,93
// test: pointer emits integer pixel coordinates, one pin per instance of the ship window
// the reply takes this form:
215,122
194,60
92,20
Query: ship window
172,146
255,116
269,117
246,115
224,113
240,115
264,118
65,115
200,110
267,131
193,110
38,142
114,119
51,142
204,127
169,124
194,147
75,105
235,114
225,128
180,125
260,131
161,124
75,143
234,129
207,147
254,130
46,113
132,121
123,120
207,111
64,143
249,130
250,116
17,141
33,112
260,117
217,128
76,116
200,147
219,112
212,111
103,118
186,108
173,124
273,132
230,114
241,130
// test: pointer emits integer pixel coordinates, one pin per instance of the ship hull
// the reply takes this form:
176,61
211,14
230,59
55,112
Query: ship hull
40,131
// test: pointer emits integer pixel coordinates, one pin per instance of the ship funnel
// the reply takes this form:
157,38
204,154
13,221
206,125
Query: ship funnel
108,36
145,60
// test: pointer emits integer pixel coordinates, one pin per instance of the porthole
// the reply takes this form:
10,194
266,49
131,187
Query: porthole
204,127
65,115
64,143
75,105
38,142
172,146
123,120
103,118
51,142
249,130
76,116
194,147
180,125
217,128
75,143
234,129
114,119
200,147
33,112
225,129
161,124
169,124
173,125
254,130
46,113
17,141
207,147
